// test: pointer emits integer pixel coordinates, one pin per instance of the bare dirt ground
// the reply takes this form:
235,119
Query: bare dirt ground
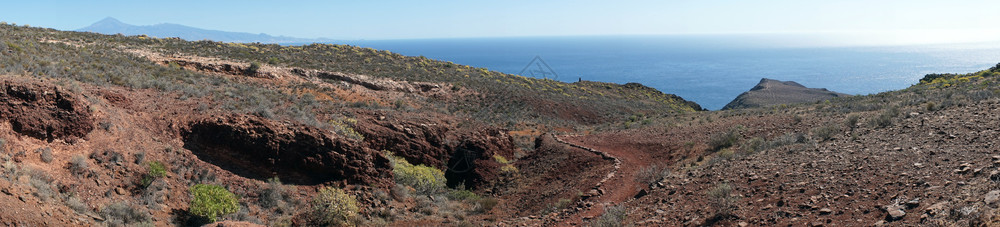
926,168
72,149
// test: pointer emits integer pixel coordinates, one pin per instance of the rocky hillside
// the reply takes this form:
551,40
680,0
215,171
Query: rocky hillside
775,92
133,130
922,156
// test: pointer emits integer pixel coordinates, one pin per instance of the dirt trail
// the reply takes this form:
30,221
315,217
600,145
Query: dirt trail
618,186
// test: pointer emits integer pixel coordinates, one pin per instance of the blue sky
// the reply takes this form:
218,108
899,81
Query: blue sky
887,20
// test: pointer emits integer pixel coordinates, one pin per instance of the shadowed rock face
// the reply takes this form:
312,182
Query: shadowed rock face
43,111
775,92
472,163
259,148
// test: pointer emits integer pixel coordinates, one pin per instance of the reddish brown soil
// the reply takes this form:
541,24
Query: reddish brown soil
939,167
640,148
553,172
43,111
934,167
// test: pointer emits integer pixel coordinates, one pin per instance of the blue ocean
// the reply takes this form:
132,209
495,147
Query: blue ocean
708,69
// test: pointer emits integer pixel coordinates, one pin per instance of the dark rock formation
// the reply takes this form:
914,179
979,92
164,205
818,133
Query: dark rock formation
774,92
44,111
472,163
419,141
258,148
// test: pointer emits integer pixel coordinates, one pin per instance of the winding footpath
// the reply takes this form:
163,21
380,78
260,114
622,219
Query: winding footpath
617,186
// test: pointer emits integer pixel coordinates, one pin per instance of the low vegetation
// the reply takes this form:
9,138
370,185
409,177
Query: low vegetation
613,216
334,207
211,201
812,136
424,179
155,170
653,173
722,200
824,133
125,214
725,139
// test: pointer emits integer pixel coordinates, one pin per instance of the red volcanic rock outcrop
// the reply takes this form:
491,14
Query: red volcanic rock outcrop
422,141
259,148
419,141
43,111
472,163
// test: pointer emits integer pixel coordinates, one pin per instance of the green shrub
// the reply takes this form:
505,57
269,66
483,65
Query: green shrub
334,207
253,69
423,178
212,201
155,171
462,195
500,159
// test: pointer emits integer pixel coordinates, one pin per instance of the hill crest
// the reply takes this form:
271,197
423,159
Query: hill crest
770,92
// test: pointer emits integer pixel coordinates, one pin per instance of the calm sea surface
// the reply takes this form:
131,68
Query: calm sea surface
710,70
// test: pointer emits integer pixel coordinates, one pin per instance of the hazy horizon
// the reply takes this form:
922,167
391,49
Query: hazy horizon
852,22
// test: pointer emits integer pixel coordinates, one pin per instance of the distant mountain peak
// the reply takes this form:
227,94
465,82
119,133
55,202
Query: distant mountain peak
111,25
107,24
109,20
